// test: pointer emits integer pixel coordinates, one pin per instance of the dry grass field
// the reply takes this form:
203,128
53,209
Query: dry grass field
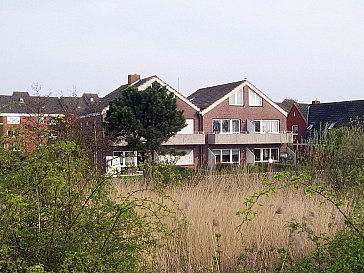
207,223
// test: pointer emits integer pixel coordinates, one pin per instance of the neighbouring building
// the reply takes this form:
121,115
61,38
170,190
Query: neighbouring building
332,115
297,120
28,121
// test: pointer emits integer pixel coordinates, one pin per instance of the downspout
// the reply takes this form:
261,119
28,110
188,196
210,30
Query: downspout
200,130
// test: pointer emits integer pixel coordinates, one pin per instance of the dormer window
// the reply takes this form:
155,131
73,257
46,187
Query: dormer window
255,99
236,98
91,99
332,125
21,100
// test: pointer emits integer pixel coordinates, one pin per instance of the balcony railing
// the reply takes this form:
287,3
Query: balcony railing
253,138
187,139
179,139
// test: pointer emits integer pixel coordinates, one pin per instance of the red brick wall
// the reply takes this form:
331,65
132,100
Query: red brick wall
224,110
31,132
295,118
188,112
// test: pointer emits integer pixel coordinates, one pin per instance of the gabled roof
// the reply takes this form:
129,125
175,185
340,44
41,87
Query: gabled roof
303,109
204,97
286,104
334,114
209,97
140,84
23,103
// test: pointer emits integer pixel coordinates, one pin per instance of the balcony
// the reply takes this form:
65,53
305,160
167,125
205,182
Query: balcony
254,138
179,139
186,139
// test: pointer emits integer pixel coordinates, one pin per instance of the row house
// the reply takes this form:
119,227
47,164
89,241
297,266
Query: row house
242,125
232,123
188,141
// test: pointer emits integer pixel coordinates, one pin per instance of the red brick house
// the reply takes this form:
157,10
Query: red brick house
189,140
242,125
29,121
297,120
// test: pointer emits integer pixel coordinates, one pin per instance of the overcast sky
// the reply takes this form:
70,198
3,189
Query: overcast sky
302,49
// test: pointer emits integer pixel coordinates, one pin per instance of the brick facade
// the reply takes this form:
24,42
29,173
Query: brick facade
295,118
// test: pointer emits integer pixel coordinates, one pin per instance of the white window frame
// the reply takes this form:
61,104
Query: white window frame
255,99
270,155
13,120
233,99
295,131
271,122
215,151
123,157
230,126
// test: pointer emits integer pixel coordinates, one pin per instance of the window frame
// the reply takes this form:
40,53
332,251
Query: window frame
261,155
235,96
220,122
253,95
295,131
263,122
123,157
219,152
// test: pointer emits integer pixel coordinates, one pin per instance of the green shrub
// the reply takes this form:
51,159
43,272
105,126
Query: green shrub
56,215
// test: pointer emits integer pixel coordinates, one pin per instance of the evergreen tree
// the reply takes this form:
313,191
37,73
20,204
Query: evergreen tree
145,118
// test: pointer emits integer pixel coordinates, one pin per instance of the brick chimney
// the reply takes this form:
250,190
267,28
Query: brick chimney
132,78
315,102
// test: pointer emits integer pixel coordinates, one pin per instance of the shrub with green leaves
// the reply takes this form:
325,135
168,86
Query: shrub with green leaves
56,215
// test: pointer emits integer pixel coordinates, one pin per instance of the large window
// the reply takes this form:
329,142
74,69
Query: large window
236,98
226,126
127,158
266,154
266,126
255,99
227,155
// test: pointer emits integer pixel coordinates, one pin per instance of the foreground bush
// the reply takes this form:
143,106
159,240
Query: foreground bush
56,216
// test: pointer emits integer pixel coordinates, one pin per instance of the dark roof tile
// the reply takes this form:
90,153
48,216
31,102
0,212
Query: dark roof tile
204,97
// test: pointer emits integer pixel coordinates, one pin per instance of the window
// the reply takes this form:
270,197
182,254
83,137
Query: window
266,154
52,121
127,158
295,129
255,99
13,120
236,98
266,126
10,133
53,134
41,120
332,125
227,155
14,147
226,126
